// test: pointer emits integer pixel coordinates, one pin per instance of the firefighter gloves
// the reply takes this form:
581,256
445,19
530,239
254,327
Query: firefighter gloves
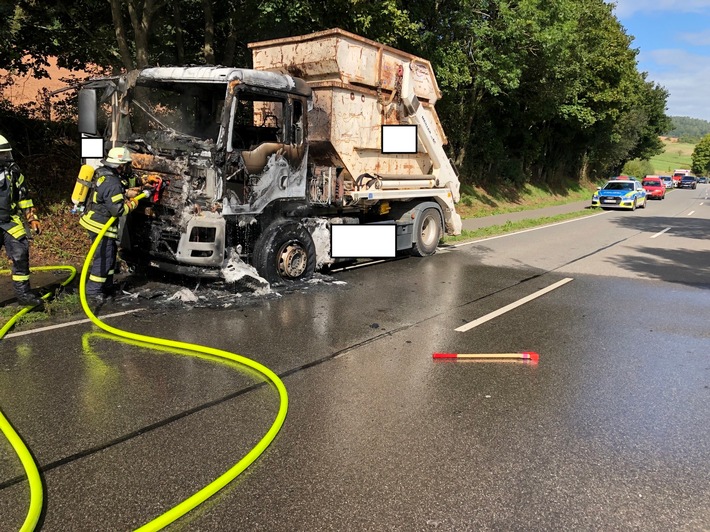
130,204
33,220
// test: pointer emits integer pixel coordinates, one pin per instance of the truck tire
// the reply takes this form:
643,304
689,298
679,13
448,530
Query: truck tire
427,232
285,252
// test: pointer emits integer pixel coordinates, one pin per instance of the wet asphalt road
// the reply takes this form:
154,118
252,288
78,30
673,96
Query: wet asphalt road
610,431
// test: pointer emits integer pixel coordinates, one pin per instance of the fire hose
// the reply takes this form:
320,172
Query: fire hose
25,310
23,453
220,482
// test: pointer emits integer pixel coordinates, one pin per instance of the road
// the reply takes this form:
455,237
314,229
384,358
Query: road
609,431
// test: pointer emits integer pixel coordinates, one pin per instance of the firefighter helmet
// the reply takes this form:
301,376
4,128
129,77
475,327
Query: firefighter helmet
4,144
117,157
5,150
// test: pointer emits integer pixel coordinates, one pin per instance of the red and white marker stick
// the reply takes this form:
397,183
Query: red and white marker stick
527,355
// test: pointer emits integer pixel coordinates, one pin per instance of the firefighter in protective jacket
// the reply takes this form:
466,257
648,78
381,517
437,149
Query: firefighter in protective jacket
110,197
14,202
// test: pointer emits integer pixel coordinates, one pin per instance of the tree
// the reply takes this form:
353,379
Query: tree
532,89
689,129
701,157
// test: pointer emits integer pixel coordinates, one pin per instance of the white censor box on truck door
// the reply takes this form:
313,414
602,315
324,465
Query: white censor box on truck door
363,241
92,147
399,138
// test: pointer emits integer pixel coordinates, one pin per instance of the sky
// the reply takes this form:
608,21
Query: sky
673,39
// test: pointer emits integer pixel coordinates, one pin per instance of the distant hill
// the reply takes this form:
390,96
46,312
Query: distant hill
689,129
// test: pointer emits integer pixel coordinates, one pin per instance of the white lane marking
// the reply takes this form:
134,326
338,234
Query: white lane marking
659,234
68,324
527,230
691,213
516,304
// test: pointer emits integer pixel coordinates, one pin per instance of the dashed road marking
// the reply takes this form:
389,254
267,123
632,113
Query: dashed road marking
516,304
660,233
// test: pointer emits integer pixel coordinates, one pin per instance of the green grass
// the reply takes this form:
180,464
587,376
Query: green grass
676,155
62,307
510,227
477,202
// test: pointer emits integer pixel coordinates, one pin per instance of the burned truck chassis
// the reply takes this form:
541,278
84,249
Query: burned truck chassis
241,176
260,241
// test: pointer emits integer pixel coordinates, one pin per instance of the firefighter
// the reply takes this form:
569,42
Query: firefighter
110,197
15,201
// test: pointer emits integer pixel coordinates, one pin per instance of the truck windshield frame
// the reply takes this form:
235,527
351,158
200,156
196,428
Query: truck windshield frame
182,109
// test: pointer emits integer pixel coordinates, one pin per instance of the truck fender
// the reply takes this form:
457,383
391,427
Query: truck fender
411,216
413,211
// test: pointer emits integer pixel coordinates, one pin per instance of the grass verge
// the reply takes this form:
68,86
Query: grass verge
477,202
60,308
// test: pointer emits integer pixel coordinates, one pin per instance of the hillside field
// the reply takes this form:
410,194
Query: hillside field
676,155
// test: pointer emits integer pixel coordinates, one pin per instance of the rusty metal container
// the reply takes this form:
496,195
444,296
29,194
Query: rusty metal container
355,83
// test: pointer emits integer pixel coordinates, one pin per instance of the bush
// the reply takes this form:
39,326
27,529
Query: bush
48,154
638,168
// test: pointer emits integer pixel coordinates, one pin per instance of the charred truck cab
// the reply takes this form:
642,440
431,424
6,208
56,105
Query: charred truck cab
258,163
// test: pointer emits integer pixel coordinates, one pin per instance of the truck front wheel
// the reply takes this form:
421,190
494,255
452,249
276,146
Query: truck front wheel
427,232
285,252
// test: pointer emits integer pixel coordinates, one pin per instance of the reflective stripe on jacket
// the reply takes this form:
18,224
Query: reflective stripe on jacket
107,200
14,198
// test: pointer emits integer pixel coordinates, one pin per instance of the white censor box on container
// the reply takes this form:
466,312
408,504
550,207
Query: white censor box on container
399,138
363,241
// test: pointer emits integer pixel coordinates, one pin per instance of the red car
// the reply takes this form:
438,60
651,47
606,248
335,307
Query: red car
654,187
677,176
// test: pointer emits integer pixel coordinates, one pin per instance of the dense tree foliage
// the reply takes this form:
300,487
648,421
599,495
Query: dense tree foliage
533,89
689,129
701,157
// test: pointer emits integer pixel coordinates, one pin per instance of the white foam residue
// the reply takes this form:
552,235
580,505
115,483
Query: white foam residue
234,269
266,291
319,278
321,239
185,295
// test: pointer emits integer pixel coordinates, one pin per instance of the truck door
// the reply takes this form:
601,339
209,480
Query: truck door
265,147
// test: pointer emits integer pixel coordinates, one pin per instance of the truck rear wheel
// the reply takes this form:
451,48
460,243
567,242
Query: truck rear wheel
427,232
285,252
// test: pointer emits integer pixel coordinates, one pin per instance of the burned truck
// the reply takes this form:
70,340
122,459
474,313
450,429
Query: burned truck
262,163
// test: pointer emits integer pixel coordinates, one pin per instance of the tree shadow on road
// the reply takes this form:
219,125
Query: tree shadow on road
682,266
670,263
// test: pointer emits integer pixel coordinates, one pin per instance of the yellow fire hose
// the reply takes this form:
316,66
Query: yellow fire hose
23,453
25,310
31,471
205,493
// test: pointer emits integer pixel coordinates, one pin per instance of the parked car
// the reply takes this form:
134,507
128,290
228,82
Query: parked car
654,187
688,181
668,181
702,179
620,194
678,176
